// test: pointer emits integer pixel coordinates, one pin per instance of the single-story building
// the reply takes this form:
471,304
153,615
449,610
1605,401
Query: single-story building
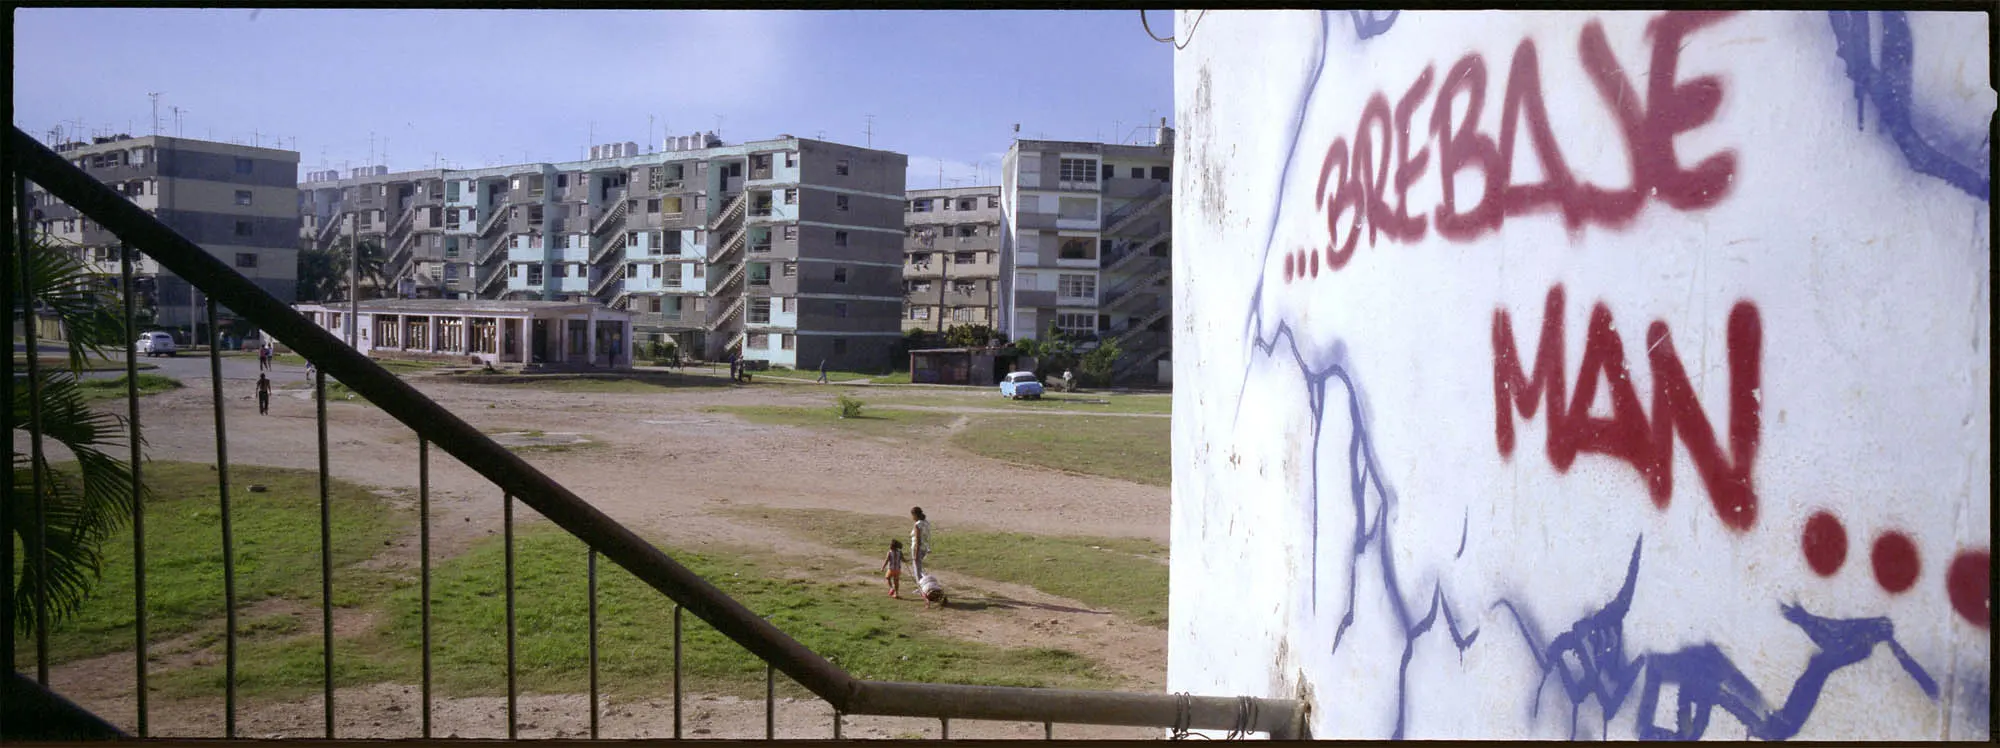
981,367
571,334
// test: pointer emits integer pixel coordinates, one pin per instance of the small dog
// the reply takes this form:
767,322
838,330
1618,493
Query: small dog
932,592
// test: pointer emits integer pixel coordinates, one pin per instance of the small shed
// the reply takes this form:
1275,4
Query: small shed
978,367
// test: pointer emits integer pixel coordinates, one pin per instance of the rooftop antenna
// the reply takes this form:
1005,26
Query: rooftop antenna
718,126
593,133
155,96
871,131
256,138
940,173
649,133
1117,126
177,119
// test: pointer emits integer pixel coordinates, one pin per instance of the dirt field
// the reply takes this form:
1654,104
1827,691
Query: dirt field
657,463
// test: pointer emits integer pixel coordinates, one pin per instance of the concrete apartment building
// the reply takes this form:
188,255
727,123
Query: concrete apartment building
1086,233
238,202
786,250
952,273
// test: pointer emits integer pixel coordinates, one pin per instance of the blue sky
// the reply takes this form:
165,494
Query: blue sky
458,87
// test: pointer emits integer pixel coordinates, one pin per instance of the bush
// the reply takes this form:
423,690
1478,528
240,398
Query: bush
849,407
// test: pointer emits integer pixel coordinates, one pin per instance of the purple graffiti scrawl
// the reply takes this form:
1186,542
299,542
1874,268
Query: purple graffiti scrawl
1887,83
1369,24
1590,662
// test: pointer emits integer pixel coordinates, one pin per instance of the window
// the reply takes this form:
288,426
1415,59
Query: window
1161,172
760,312
243,166
964,258
920,312
791,197
922,286
920,206
993,202
791,270
1076,208
791,233
242,197
242,228
840,238
1077,286
653,304
246,260
700,269
1077,248
534,275
1109,172
840,202
963,287
562,180
840,275
839,346
562,270
671,206
758,340
840,309
1079,170
514,271
966,231
920,259
653,205
791,159
788,340
791,306
840,168
961,315
1075,322
968,203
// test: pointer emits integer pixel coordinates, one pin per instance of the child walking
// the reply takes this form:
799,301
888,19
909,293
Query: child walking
263,395
893,567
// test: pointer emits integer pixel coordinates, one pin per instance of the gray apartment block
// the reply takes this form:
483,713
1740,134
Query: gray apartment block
952,271
1085,242
238,202
786,250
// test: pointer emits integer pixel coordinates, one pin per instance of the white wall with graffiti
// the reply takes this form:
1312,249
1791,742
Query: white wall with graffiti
1585,374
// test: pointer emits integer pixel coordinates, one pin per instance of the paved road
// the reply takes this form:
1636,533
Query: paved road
187,366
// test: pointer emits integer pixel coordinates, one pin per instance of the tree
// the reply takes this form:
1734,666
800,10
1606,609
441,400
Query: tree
323,272
84,504
970,336
1098,365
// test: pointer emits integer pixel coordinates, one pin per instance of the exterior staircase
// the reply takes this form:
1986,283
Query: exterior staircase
499,218
718,321
617,243
618,207
1125,217
1136,288
489,278
617,273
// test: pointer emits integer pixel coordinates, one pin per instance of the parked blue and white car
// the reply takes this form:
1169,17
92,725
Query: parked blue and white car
1019,385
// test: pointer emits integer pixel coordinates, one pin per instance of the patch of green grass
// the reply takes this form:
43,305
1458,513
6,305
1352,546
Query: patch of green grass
114,388
1125,575
850,623
1083,402
1133,449
276,551
895,424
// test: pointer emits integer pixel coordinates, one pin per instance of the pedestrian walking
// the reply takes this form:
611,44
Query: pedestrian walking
920,539
263,395
822,371
892,567
264,358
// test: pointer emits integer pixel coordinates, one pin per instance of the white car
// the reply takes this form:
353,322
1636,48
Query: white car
1021,385
156,344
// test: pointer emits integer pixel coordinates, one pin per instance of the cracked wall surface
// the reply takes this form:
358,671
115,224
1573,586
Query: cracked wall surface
1586,374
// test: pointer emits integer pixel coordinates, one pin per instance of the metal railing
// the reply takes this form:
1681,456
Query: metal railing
1144,201
514,481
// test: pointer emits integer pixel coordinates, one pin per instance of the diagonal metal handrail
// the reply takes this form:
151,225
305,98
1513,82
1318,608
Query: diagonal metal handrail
434,424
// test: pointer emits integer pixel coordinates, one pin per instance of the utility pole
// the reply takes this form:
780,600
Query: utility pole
871,131
155,96
354,275
940,183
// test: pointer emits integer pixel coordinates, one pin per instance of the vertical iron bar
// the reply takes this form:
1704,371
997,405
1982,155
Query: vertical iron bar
11,252
677,671
1048,731
38,480
593,644
513,707
424,565
325,549
138,508
944,728
228,531
770,702
836,724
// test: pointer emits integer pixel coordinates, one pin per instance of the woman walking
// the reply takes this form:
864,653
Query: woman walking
920,539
